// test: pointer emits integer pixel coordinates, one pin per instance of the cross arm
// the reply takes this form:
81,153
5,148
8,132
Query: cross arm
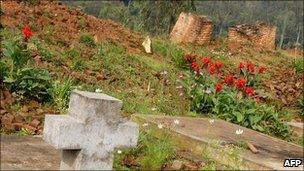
63,132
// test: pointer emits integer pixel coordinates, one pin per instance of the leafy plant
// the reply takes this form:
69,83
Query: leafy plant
298,64
231,99
20,77
30,83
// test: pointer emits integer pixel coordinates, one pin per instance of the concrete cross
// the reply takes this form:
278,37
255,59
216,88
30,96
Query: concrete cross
90,133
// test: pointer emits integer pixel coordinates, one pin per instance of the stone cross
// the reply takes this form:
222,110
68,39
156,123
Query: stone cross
90,132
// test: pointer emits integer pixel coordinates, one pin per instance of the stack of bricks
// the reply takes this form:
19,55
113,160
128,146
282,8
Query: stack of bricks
191,28
260,34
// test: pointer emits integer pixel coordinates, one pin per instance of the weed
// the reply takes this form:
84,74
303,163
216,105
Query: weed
61,93
87,39
150,153
78,64
298,64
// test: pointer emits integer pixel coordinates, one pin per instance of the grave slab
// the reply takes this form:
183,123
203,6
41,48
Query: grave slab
297,127
195,134
27,153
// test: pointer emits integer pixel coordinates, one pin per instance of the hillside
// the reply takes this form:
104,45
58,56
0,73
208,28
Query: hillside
101,54
49,49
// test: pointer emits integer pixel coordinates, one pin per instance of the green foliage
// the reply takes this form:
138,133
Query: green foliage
301,105
150,153
155,17
87,39
170,50
230,105
78,64
298,64
61,93
20,77
30,83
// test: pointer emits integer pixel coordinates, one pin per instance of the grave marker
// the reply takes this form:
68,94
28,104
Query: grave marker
90,132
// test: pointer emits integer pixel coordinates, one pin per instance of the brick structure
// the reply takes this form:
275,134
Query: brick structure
260,34
191,28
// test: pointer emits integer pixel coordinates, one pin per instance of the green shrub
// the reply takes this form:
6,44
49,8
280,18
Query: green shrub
27,82
30,83
298,64
87,39
78,64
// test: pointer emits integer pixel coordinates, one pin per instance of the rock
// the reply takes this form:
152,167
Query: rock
19,119
33,104
17,126
177,165
24,109
35,123
29,128
39,111
7,119
2,111
190,166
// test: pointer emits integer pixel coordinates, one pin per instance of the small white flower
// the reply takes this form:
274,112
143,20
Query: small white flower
191,96
153,108
211,121
180,94
119,151
208,91
160,126
239,132
165,72
145,124
176,122
179,87
98,90
181,76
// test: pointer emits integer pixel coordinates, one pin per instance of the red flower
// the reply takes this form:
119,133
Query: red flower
189,58
249,91
229,80
219,65
241,65
211,69
262,69
195,67
250,67
206,61
218,87
241,83
27,32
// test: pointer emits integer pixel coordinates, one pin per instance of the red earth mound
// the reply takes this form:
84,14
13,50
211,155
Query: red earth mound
66,23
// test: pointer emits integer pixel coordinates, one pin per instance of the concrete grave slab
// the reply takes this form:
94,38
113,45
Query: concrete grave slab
297,127
27,153
195,134
90,133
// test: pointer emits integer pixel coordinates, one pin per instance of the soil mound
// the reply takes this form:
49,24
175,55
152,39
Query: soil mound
66,23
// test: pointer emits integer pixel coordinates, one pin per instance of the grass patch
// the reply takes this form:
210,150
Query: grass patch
150,153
